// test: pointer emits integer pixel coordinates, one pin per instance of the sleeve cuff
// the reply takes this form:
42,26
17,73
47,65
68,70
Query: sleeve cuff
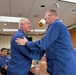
28,43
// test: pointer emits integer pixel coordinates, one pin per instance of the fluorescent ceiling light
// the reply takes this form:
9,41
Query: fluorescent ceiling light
10,19
10,30
72,1
14,30
39,30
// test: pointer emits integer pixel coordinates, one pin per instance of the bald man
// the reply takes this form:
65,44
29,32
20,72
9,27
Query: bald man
21,56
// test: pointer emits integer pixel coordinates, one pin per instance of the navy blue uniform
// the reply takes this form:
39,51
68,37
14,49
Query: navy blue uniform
21,56
3,62
59,49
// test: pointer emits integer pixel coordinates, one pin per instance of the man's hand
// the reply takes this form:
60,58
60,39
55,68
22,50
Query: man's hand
20,41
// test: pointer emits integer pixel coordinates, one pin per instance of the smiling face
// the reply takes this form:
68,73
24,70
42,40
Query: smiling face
25,25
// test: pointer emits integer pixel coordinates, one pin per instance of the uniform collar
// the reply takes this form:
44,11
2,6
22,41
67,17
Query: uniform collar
19,30
52,22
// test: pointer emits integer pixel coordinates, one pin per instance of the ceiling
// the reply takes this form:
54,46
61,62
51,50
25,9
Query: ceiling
32,9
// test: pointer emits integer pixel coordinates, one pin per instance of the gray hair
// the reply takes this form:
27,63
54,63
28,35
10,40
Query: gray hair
53,12
22,21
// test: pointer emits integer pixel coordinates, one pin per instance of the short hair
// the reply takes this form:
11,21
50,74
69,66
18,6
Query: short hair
2,49
22,21
53,12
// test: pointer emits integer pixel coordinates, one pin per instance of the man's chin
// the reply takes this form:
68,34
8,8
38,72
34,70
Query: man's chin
28,31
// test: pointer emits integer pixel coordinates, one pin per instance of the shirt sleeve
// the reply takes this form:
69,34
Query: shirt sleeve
50,37
36,55
2,63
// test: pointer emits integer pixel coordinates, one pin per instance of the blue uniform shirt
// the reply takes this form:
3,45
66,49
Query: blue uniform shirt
21,56
2,63
59,49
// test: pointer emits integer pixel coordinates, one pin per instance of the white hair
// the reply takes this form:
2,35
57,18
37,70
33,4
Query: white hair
22,21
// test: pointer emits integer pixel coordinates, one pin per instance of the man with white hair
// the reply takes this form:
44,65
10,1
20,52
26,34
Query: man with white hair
21,56
58,45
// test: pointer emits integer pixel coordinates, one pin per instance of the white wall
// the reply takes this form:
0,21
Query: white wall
5,40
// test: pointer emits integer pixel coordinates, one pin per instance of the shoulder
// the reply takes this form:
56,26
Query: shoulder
18,34
55,25
58,24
